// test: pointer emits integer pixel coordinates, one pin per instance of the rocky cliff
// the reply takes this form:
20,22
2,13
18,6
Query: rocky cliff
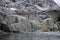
29,15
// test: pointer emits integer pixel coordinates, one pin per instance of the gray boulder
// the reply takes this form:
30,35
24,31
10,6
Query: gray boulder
47,23
24,26
20,23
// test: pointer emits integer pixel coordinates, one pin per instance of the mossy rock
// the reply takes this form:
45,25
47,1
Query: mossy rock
54,28
44,28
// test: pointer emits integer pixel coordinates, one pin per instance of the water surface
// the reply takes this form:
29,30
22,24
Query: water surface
31,36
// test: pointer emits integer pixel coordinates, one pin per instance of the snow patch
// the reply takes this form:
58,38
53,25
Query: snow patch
58,2
13,9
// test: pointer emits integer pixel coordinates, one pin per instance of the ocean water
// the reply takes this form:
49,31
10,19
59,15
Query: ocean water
31,36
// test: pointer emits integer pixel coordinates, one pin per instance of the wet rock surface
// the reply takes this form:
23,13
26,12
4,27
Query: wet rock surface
30,16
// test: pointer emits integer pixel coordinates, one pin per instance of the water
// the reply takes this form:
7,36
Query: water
31,36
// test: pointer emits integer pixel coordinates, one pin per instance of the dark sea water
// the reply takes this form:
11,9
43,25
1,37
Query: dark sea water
31,36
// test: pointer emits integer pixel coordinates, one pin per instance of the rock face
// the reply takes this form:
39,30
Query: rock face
23,24
7,11
29,15
19,23
47,23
